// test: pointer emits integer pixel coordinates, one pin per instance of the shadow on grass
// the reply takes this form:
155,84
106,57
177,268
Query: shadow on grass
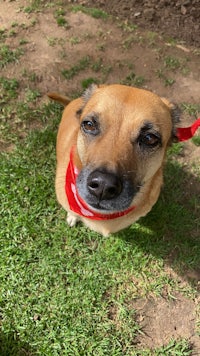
10,345
171,230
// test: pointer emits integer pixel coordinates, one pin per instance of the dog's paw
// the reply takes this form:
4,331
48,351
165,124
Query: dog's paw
72,219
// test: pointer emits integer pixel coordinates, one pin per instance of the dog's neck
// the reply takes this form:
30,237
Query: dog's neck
77,204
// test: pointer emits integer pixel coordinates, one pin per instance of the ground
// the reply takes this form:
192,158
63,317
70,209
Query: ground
171,18
151,44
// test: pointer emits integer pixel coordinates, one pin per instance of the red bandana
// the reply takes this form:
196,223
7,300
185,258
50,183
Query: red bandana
184,133
81,208
77,204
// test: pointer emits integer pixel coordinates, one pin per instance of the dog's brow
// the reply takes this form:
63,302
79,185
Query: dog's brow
92,115
147,126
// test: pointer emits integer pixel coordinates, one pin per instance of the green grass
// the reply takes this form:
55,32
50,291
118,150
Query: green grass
68,291
8,55
9,89
83,64
133,80
165,78
191,109
196,140
60,18
172,63
94,12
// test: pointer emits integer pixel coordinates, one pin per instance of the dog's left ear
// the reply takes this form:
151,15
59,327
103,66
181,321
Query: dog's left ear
175,112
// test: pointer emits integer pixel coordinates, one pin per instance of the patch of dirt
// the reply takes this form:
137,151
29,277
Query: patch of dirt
162,320
179,19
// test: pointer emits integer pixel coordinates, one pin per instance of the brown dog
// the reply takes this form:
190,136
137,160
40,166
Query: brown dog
111,146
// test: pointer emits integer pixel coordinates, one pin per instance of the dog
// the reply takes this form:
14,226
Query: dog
111,148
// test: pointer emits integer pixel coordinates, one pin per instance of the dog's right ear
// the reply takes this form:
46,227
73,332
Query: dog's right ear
87,94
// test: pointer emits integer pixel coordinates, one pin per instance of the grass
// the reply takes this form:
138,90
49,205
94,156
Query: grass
133,80
168,81
8,55
94,12
83,64
60,18
191,109
69,291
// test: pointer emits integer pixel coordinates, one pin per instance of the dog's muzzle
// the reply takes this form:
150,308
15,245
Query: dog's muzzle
104,190
104,185
100,186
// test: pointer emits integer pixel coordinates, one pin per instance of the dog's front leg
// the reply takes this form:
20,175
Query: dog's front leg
72,219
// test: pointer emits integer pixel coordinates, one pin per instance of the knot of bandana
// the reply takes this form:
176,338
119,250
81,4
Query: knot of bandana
185,133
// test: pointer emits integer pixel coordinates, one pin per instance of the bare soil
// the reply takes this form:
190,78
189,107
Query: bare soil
178,19
117,51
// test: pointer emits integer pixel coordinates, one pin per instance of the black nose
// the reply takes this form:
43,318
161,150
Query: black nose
104,185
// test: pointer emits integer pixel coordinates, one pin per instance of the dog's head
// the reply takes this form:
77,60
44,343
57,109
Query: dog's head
122,141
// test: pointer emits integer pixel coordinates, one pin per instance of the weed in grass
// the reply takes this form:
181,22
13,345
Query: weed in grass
172,41
106,70
31,95
169,81
191,109
196,140
96,66
9,89
23,41
14,24
128,27
33,22
12,33
180,347
75,40
127,43
28,9
80,66
133,80
60,18
101,47
166,80
31,76
172,63
52,41
175,149
151,38
59,12
94,12
2,34
8,55
61,21
35,6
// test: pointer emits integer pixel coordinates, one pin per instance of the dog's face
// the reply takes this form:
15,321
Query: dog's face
123,136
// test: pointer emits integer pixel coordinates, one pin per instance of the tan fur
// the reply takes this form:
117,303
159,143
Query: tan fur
60,98
122,111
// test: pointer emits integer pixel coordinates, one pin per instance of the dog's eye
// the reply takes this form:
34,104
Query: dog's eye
149,140
90,127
